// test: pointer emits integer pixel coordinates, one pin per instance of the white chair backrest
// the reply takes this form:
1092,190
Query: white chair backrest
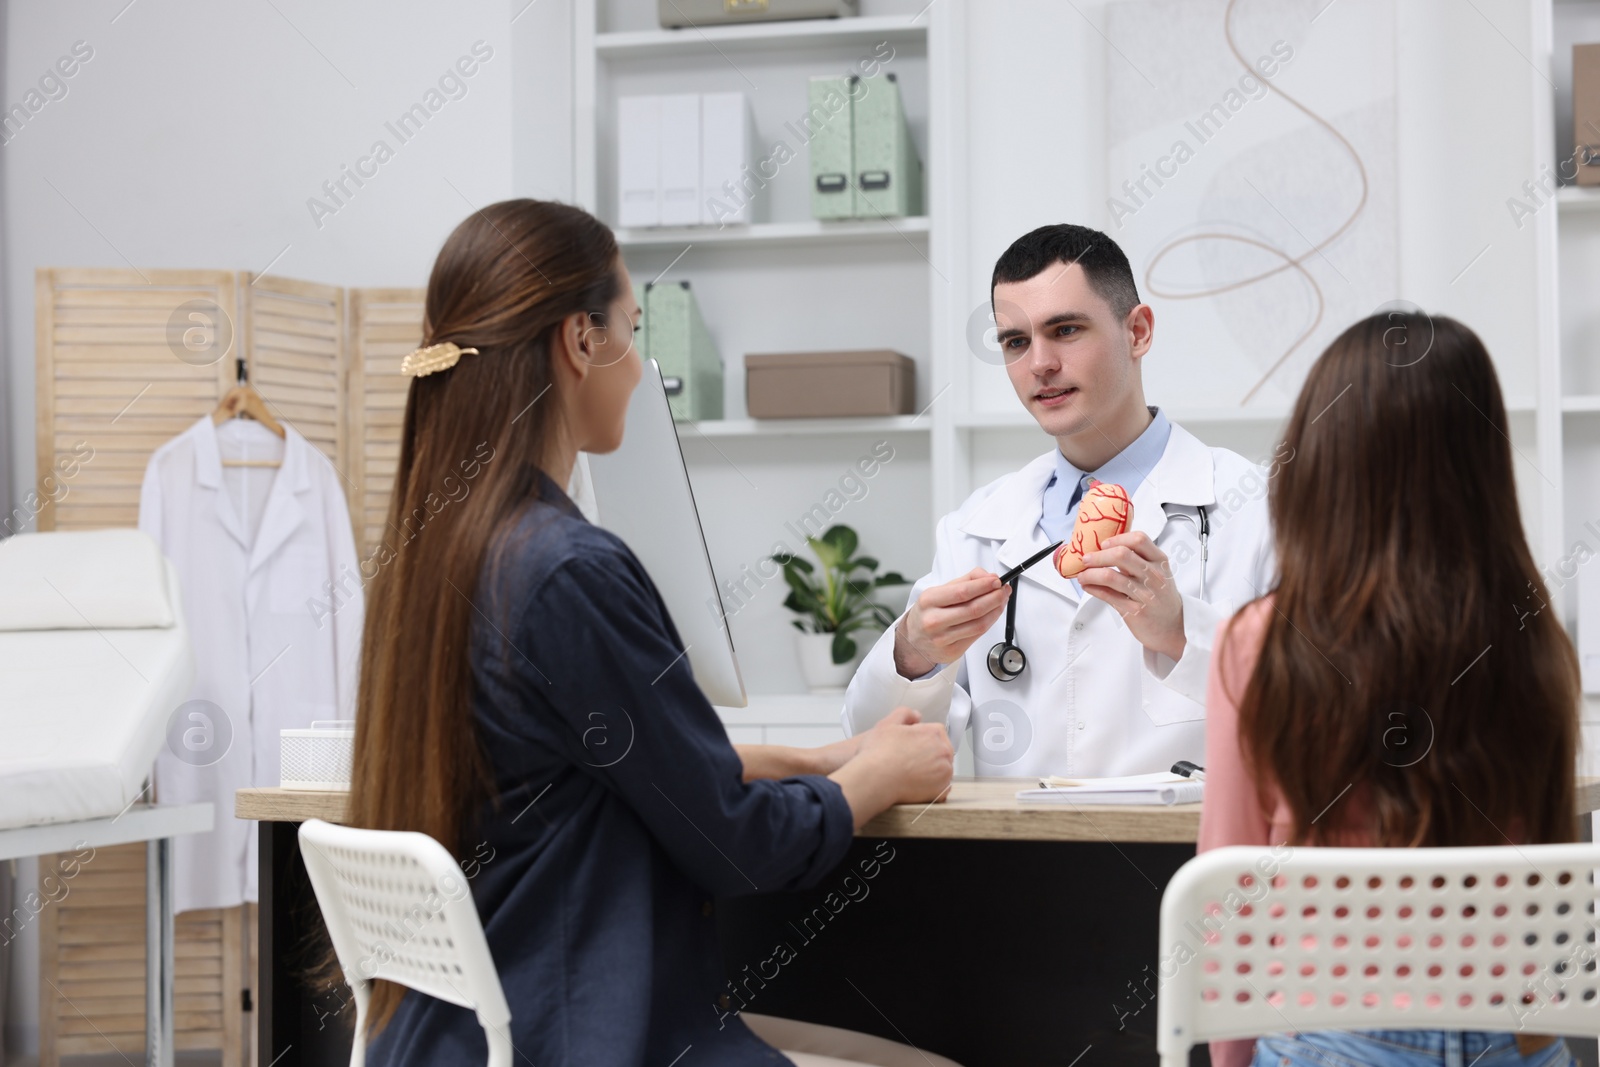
399,908
1262,940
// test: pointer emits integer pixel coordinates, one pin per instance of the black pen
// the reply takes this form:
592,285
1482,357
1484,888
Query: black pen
1189,770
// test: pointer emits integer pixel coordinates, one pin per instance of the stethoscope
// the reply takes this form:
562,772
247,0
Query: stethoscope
1205,537
1006,660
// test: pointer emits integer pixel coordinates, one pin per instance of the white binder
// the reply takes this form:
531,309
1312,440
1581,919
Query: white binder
680,159
639,161
728,194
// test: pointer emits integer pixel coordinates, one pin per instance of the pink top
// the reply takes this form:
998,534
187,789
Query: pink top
1231,814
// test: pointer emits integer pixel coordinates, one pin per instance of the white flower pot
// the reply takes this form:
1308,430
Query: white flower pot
821,674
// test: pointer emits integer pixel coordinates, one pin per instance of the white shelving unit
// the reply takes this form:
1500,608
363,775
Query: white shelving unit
790,234
800,720
804,427
754,36
791,282
1569,351
1573,199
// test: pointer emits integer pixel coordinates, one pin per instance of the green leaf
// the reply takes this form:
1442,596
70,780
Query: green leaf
798,623
843,539
802,565
864,561
801,584
844,649
890,578
827,553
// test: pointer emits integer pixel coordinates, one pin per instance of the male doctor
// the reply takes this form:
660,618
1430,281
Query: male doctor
1113,673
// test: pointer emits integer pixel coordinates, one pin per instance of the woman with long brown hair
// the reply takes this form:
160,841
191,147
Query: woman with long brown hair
524,698
1399,688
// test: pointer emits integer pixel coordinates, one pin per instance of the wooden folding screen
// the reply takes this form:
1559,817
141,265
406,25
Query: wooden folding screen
126,360
293,333
385,324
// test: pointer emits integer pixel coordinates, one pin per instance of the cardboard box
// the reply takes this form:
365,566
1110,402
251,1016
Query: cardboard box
1586,111
792,385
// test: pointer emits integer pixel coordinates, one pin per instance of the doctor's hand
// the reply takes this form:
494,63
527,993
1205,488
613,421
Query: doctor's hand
945,620
901,760
1134,576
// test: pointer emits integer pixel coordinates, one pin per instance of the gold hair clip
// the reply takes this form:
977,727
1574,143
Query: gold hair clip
441,356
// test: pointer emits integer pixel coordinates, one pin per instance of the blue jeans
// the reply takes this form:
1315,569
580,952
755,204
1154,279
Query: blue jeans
1402,1048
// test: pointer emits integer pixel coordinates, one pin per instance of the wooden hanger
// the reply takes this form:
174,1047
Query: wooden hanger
242,401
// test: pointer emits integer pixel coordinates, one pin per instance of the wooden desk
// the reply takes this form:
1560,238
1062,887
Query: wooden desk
1001,933
977,809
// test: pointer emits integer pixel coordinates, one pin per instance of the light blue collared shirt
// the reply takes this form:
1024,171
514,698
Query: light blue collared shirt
1127,468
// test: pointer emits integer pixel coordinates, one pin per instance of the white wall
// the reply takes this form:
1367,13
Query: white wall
1036,123
197,133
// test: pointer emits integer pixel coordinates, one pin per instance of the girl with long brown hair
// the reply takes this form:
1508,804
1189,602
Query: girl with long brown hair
525,700
1400,687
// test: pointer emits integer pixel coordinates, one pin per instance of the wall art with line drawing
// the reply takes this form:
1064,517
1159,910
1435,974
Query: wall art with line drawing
1251,181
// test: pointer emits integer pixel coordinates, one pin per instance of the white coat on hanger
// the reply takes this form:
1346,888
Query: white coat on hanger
276,624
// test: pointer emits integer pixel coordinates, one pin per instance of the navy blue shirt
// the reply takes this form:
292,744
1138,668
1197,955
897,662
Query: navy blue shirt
621,813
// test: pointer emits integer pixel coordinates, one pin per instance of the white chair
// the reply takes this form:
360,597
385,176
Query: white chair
398,908
1259,940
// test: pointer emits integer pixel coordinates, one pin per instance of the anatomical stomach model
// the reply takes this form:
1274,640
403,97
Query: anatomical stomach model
1104,512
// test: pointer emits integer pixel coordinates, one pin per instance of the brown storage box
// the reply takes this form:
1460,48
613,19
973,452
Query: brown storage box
1586,111
792,385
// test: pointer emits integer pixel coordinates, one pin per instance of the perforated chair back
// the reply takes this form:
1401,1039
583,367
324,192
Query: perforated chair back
399,908
1263,940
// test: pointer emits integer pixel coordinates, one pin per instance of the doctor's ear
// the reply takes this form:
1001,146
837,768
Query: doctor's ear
1141,327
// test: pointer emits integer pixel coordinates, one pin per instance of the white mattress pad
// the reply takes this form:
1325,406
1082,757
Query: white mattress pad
83,713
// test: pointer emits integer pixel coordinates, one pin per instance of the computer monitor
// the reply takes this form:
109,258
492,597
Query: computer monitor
642,495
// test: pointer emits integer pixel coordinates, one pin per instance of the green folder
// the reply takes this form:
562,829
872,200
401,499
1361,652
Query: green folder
682,346
828,124
641,339
888,174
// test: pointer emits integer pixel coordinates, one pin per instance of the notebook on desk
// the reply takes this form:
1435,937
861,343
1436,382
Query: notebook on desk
1159,788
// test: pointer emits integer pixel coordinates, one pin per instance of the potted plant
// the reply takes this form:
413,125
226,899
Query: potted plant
833,602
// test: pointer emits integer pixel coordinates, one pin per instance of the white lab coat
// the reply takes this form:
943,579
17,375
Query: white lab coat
275,615
1092,701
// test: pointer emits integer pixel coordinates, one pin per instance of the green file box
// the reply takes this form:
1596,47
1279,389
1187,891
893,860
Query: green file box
641,337
682,346
888,174
829,125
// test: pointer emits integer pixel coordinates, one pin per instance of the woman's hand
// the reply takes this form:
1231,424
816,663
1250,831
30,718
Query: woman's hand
901,760
828,758
785,761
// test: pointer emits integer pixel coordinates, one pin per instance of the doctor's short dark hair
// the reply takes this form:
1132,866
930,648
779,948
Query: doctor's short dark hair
1103,262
